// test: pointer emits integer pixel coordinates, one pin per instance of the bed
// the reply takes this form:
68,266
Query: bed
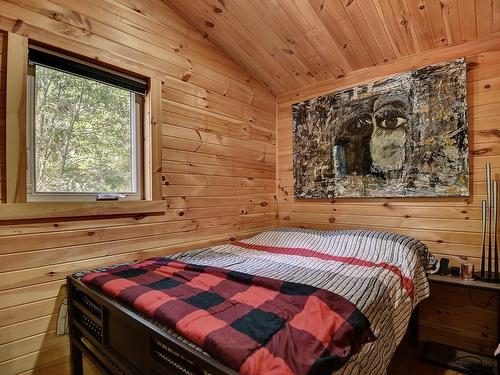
382,274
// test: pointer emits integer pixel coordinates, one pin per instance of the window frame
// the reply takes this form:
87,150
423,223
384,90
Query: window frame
14,207
137,145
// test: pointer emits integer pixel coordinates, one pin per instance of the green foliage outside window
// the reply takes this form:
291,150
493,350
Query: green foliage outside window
82,134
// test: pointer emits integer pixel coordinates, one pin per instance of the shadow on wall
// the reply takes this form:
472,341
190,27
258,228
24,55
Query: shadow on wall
53,354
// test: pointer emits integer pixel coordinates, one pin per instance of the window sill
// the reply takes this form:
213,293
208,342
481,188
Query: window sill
60,210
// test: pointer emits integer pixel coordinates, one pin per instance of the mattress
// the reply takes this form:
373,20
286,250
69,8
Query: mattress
383,274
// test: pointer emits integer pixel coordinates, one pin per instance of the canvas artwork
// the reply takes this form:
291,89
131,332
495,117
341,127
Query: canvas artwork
403,136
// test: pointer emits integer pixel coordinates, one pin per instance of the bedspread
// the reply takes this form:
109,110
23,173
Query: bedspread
382,273
255,325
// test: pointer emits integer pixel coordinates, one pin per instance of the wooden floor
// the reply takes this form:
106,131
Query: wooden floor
406,361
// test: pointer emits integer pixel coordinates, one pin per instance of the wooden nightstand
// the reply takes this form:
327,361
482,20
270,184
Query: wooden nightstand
454,280
461,314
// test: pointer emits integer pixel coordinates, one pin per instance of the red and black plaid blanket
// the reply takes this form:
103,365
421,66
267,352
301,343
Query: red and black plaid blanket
255,325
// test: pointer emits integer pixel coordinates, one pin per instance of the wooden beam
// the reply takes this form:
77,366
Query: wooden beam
17,62
52,210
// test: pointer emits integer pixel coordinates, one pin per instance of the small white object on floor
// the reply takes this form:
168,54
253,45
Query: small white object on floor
497,352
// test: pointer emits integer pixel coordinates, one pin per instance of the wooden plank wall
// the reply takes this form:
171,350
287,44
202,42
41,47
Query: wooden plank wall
3,83
218,155
450,227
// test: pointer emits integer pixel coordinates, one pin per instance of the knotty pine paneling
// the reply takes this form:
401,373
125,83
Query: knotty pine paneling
293,44
451,227
218,163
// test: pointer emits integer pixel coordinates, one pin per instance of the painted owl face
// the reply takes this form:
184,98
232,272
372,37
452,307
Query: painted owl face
372,136
390,130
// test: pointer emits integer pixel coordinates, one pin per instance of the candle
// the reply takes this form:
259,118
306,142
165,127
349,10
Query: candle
495,197
488,197
483,238
488,183
467,271
495,218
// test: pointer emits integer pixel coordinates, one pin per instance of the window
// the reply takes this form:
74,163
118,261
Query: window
84,130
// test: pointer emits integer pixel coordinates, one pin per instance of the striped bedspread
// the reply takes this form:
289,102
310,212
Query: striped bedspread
383,274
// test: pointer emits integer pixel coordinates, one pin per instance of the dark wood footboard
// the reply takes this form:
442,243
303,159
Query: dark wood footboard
119,341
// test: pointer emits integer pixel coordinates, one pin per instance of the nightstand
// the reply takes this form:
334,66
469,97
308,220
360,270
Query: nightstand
456,280
461,314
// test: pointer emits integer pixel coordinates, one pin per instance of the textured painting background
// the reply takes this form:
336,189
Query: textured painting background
404,136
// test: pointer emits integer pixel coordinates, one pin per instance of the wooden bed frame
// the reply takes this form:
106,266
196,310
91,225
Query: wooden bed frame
119,341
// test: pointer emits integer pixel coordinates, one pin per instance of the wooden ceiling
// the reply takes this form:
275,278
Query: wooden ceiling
288,44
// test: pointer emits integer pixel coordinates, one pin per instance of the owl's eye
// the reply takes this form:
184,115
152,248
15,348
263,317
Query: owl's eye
392,122
390,119
360,125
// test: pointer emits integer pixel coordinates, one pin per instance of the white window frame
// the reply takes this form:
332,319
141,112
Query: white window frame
136,113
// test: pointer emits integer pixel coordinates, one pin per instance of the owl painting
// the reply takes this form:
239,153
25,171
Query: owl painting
404,136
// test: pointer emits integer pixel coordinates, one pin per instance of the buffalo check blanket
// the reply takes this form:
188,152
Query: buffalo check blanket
253,324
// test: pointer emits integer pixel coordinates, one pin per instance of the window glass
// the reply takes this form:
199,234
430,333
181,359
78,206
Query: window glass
83,135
